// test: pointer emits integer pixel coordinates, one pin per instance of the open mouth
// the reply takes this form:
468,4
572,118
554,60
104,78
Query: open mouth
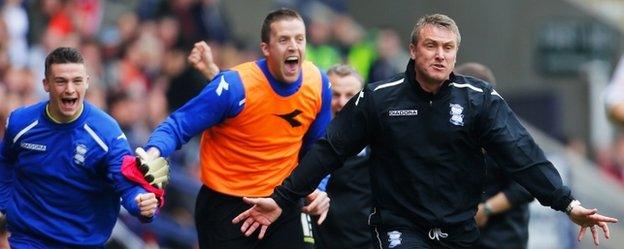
438,66
292,63
68,103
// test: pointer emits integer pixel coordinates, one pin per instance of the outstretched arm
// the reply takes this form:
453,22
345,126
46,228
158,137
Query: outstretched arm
514,149
346,135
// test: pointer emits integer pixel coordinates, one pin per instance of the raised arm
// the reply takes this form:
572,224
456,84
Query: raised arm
202,60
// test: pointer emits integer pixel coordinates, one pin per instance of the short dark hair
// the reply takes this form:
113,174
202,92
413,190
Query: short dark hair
438,20
62,55
274,16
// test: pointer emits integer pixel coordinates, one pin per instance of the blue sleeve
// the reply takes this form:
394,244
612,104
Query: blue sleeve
222,98
6,176
7,158
323,185
118,148
317,129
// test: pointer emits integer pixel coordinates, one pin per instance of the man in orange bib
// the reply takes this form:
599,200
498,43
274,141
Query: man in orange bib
255,119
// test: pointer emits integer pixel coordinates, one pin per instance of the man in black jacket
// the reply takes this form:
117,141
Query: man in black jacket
426,128
346,225
503,214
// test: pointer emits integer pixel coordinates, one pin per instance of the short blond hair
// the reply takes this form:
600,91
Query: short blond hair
438,20
343,70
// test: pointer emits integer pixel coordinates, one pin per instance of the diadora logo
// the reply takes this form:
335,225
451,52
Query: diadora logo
81,152
290,117
223,85
31,146
394,237
409,112
457,116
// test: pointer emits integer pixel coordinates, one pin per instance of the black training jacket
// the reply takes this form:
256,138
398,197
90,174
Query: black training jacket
426,163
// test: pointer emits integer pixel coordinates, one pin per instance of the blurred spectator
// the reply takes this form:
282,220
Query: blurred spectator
21,82
150,50
87,17
184,11
14,13
356,49
614,95
128,72
127,109
614,167
60,19
5,62
319,48
392,56
212,23
183,82
169,32
125,31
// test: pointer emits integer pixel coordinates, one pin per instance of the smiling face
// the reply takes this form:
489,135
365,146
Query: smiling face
285,49
343,89
435,53
66,84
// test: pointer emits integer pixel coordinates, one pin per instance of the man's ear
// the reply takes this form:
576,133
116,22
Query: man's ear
265,49
412,50
46,84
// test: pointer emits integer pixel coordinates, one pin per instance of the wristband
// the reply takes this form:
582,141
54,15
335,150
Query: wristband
487,209
571,206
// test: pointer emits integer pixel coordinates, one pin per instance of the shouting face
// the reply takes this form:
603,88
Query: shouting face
285,50
66,84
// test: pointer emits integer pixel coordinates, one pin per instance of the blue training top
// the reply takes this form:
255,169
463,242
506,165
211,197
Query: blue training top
60,184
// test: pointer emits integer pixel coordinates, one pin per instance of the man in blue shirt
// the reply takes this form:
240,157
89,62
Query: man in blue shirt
60,163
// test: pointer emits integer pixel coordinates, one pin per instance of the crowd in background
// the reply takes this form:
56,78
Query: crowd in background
136,53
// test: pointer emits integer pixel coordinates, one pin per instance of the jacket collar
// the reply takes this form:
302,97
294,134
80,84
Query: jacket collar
410,76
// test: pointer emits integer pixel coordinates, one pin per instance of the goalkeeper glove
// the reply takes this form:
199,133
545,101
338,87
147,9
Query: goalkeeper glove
155,169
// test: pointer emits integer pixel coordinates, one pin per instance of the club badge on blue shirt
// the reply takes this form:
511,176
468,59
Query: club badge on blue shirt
457,116
81,151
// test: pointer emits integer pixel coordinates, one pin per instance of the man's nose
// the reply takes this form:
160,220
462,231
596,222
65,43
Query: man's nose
343,101
439,54
71,87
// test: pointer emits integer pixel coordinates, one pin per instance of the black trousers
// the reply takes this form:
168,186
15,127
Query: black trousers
213,219
416,238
